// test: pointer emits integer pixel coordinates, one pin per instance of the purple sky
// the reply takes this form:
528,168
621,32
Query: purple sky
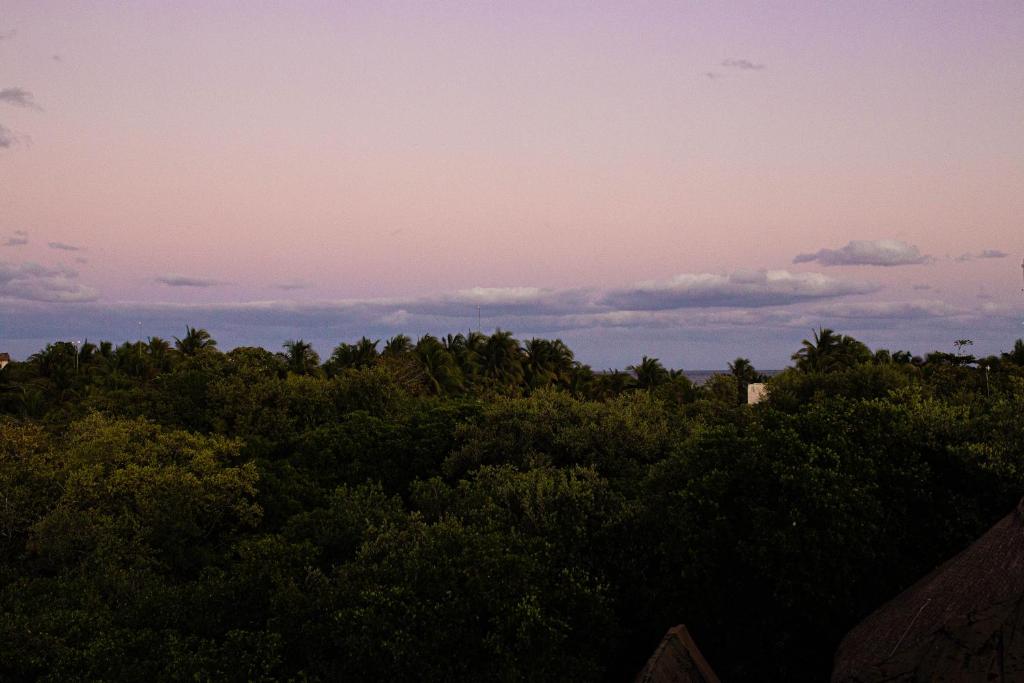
689,181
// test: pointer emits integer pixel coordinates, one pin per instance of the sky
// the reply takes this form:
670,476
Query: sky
689,181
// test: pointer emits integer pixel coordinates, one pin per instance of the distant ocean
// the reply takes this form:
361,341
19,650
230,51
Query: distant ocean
700,376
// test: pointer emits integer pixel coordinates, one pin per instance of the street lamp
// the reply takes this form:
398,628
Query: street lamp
77,343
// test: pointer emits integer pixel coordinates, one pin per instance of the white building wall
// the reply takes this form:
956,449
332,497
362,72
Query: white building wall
756,392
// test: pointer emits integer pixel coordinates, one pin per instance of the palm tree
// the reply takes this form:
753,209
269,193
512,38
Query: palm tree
359,355
159,351
397,345
564,362
129,359
830,352
581,381
612,383
1017,355
813,356
194,342
12,396
851,352
539,363
87,354
743,370
501,359
443,375
650,373
902,357
301,358
467,351
56,362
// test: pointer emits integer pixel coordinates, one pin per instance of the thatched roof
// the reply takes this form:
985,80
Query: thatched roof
676,660
962,622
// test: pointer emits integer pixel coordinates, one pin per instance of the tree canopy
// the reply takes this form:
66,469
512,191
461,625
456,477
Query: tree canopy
475,507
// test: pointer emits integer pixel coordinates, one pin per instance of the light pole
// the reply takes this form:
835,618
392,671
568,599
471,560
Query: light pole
77,343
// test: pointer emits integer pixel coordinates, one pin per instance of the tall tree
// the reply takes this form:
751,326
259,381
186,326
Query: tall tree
829,352
359,355
397,345
160,353
195,341
650,373
501,359
443,375
1016,356
301,358
539,363
745,373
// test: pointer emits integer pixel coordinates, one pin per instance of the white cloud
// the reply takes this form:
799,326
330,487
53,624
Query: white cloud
868,253
63,246
744,289
33,282
983,254
187,281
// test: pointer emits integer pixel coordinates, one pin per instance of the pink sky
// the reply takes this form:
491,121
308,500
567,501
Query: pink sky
410,150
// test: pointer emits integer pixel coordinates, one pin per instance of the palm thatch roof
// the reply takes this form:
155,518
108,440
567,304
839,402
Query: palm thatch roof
962,622
676,660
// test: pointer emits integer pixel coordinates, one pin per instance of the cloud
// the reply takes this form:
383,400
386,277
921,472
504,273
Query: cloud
19,238
749,289
600,334
7,138
889,310
537,309
868,253
62,246
187,281
712,75
7,35
292,284
503,301
33,282
985,253
921,287
744,64
19,97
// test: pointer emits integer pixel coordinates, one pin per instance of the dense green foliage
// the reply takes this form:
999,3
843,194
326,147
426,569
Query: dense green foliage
473,508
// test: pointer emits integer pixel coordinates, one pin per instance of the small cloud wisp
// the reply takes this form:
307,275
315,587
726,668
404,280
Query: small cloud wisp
19,97
886,253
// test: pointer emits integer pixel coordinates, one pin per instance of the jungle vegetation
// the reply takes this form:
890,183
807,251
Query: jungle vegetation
476,507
